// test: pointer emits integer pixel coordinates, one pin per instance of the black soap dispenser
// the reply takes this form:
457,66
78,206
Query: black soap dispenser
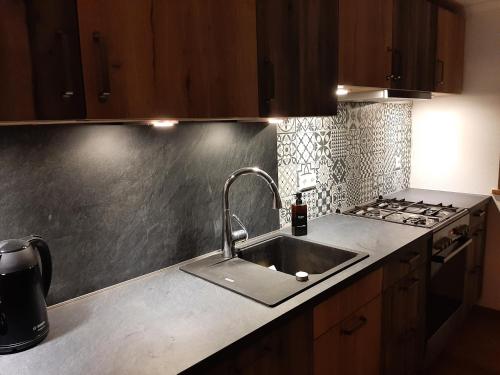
299,216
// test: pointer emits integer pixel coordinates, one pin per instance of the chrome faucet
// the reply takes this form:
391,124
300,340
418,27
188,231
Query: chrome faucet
230,237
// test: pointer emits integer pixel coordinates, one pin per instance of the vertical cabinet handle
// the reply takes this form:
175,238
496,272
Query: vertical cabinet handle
441,72
397,64
68,90
270,78
357,324
399,60
104,89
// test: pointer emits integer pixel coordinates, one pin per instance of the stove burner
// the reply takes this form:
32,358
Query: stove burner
405,212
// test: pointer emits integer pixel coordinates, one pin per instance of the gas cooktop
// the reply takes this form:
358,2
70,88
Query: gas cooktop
419,214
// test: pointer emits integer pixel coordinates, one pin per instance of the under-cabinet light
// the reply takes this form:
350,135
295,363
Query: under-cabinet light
275,121
164,123
341,90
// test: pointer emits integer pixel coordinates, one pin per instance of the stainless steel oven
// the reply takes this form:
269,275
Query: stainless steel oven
446,292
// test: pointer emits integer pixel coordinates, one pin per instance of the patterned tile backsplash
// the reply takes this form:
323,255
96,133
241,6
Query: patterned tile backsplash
353,157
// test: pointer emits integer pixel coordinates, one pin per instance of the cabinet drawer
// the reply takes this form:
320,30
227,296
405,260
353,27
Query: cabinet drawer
405,261
330,312
352,347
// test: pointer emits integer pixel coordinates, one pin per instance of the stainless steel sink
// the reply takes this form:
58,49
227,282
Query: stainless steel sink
265,271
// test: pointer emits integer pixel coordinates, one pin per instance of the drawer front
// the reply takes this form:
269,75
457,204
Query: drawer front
330,312
405,261
478,217
352,347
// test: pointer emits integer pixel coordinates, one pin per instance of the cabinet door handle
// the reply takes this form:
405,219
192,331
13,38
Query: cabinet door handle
441,72
397,67
480,213
413,281
415,256
358,323
105,89
68,90
270,79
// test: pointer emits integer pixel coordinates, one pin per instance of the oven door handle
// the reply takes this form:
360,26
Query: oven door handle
441,259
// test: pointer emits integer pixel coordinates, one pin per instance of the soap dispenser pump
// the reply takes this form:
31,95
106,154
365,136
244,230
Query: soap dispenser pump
299,216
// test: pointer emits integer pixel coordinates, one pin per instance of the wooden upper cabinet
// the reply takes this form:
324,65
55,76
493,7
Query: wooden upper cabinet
388,43
450,51
16,80
169,58
57,68
116,39
205,58
365,42
414,44
40,69
297,43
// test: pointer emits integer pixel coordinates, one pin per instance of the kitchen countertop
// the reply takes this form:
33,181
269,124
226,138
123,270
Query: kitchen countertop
168,321
461,200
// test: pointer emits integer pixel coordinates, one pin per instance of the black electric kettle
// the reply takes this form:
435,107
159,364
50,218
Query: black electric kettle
25,275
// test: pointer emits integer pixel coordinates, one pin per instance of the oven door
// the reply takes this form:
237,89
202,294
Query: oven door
447,285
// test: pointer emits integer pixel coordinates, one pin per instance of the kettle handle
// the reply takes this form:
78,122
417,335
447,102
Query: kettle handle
43,249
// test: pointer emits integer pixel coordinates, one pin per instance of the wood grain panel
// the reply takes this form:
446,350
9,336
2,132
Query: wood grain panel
358,353
127,39
336,308
16,79
56,54
205,58
365,42
450,52
297,49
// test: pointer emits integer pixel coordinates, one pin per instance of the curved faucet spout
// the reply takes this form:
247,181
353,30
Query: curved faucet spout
227,231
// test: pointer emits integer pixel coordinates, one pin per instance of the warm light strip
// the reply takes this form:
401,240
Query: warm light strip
275,121
164,123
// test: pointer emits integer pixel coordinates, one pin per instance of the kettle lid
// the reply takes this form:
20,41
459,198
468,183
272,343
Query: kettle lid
10,246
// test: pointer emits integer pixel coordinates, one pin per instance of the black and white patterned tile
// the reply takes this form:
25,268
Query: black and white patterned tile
355,156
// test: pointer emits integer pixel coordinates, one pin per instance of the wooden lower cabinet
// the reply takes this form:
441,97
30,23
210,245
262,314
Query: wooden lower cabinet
404,324
353,345
284,349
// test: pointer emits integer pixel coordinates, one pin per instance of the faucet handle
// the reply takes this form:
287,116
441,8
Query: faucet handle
241,234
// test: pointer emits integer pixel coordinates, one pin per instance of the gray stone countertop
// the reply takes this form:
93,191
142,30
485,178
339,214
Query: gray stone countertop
168,321
462,200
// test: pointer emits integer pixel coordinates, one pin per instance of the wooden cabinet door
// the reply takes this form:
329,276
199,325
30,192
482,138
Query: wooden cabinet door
206,58
40,70
414,44
475,263
57,69
404,324
365,41
118,57
16,79
353,346
450,51
297,44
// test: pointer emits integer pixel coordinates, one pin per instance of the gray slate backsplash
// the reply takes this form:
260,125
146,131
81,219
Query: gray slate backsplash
115,202
361,153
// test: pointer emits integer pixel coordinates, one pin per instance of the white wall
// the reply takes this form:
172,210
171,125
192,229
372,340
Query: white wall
456,139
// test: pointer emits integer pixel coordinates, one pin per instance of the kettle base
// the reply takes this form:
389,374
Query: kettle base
19,347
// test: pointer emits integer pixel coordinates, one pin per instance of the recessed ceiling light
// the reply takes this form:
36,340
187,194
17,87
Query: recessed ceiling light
341,90
164,123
